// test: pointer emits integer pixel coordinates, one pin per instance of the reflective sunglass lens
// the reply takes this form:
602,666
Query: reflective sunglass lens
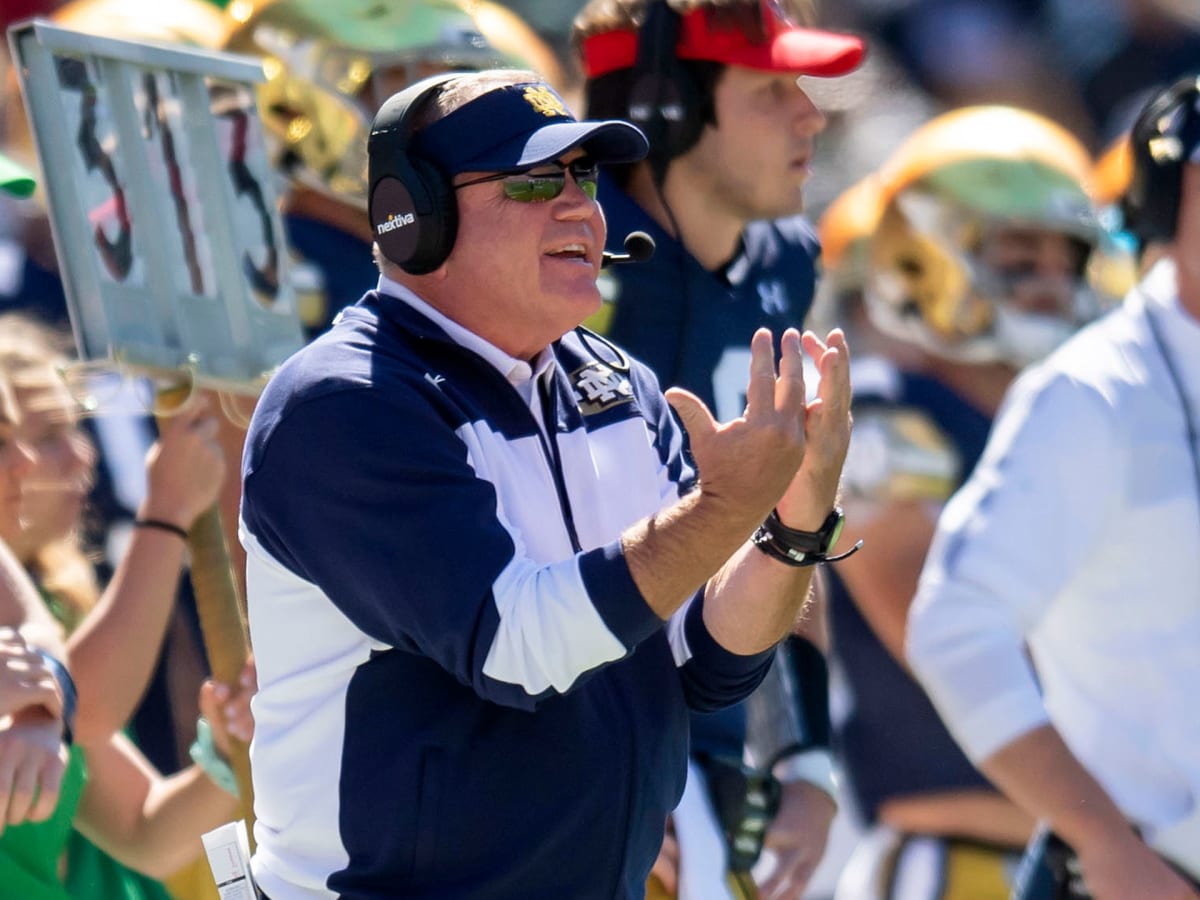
540,188
534,188
587,176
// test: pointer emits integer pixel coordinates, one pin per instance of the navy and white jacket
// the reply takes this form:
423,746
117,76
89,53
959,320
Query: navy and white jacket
462,692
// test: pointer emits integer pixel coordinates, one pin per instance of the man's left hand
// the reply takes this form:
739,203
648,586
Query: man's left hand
827,435
797,839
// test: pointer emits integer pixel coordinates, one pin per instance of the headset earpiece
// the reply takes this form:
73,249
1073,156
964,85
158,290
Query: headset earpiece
663,99
410,201
1150,206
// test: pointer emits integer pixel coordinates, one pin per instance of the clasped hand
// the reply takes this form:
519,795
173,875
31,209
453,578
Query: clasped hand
32,756
25,678
785,451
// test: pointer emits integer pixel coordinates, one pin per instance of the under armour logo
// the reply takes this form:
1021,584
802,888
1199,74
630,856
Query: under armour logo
773,298
435,380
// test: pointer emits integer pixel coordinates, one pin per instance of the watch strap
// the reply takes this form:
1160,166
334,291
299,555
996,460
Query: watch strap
801,548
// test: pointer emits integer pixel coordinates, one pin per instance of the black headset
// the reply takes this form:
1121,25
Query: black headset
411,203
663,99
1165,131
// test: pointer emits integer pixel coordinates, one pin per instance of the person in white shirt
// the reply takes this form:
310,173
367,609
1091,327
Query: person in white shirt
1076,540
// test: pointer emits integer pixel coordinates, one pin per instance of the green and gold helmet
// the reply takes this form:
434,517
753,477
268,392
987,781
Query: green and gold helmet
845,229
330,65
959,180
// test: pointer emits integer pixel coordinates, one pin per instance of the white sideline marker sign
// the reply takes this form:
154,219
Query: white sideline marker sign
163,204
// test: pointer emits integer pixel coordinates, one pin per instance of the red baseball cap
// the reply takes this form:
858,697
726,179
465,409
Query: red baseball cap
787,47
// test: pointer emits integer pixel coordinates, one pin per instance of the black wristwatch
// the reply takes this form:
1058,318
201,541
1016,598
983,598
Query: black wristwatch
802,548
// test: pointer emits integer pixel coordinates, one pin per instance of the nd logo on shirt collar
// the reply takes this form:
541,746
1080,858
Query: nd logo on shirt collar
602,383
598,388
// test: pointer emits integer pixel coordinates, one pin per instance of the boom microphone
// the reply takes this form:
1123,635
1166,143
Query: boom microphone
639,247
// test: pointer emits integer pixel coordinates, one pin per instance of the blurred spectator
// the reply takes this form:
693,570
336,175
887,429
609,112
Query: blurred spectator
975,262
19,609
145,821
113,672
1041,560
183,473
124,431
33,648
165,721
721,194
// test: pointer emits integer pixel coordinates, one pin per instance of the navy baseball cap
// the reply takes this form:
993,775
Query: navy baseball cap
520,126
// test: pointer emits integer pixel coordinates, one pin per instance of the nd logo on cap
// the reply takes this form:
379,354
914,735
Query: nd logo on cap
545,101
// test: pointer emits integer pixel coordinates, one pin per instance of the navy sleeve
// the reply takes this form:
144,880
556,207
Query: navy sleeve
712,677
376,504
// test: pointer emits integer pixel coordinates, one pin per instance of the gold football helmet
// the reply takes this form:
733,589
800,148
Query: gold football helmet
1114,269
845,229
190,22
1114,170
963,184
330,65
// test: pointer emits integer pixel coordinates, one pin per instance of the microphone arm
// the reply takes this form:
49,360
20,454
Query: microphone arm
639,247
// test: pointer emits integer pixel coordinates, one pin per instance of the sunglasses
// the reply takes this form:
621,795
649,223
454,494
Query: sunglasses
538,187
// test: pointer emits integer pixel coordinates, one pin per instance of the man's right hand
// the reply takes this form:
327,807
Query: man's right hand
32,761
827,426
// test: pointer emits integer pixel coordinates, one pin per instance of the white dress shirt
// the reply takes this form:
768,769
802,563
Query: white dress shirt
520,374
1078,535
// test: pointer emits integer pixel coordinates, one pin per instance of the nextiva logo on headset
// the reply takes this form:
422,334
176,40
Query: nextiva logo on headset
399,220
392,212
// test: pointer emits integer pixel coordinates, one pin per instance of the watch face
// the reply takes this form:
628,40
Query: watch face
836,532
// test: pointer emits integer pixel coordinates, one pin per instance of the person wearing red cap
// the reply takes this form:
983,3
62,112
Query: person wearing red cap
716,86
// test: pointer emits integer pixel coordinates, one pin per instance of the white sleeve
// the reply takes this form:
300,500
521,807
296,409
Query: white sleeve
1005,546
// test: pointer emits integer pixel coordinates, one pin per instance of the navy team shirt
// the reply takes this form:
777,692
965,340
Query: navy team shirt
692,327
